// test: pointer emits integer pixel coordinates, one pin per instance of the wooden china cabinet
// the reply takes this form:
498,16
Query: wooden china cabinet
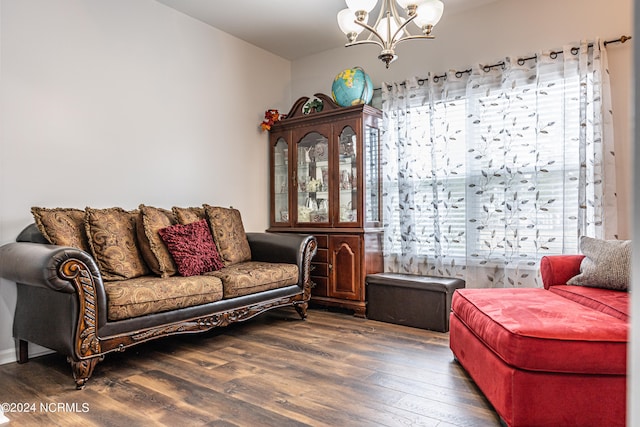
325,181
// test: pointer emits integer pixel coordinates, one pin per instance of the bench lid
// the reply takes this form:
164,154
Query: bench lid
430,283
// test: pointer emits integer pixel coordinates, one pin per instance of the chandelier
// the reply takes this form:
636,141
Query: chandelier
390,28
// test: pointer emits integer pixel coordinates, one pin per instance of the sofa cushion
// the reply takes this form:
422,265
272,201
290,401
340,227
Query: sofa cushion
228,233
607,264
149,294
613,303
192,248
254,276
188,215
538,330
113,242
61,226
154,251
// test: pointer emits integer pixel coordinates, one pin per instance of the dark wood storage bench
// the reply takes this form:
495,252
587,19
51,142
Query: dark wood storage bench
411,300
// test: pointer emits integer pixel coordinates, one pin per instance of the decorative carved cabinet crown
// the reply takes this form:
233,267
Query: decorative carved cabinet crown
325,180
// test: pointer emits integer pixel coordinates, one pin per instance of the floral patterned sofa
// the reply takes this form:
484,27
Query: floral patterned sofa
94,281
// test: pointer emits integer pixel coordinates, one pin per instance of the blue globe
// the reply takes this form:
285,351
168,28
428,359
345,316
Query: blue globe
352,87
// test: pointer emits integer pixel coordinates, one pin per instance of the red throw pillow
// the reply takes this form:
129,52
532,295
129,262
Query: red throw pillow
192,248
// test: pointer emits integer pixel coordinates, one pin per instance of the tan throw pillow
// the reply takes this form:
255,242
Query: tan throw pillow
63,227
188,215
112,239
228,233
607,264
154,251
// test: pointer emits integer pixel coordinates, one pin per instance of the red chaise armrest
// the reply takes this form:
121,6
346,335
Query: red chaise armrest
558,269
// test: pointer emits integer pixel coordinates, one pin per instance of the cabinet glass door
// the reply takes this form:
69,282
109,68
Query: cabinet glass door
372,175
348,176
313,179
281,181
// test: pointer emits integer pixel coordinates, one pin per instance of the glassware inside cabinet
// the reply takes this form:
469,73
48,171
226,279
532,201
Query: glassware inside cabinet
313,178
348,175
281,180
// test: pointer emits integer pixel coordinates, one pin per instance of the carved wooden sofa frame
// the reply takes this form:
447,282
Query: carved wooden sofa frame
61,300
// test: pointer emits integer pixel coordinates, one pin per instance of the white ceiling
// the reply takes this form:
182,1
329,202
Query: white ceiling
289,28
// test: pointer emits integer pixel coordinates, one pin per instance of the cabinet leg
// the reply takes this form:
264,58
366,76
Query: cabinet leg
360,312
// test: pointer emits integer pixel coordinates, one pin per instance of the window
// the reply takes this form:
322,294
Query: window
484,171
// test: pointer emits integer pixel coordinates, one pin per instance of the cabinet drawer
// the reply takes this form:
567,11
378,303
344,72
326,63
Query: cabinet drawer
323,240
322,286
320,269
321,256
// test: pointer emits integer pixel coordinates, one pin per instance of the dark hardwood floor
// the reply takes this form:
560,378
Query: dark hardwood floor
275,370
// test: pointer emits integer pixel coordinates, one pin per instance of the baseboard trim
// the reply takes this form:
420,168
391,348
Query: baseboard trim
10,356
7,356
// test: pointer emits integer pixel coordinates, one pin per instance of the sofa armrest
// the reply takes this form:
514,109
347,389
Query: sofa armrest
59,269
558,269
38,264
287,248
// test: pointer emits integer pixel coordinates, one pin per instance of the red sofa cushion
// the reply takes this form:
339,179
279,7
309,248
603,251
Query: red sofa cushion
537,330
613,303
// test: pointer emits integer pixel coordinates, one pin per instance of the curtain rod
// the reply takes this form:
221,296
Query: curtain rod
521,61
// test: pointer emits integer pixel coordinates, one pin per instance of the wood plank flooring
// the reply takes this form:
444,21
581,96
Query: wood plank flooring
275,370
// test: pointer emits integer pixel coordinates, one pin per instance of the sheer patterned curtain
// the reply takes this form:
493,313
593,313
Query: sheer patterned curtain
486,171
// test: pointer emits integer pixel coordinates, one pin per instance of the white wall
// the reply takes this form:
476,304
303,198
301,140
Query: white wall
121,102
490,32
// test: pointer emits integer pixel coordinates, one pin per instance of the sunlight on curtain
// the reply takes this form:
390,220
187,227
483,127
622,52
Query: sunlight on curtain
485,172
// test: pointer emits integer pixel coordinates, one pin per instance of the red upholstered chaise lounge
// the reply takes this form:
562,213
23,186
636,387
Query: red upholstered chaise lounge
546,357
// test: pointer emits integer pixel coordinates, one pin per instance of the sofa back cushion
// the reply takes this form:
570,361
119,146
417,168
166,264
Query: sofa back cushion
229,234
154,251
613,303
113,243
188,215
62,226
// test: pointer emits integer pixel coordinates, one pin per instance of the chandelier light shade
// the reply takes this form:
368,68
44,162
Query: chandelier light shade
348,25
390,27
364,5
429,16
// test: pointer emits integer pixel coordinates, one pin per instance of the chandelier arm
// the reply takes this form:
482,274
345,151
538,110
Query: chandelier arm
367,41
422,37
400,29
412,38
373,31
387,10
